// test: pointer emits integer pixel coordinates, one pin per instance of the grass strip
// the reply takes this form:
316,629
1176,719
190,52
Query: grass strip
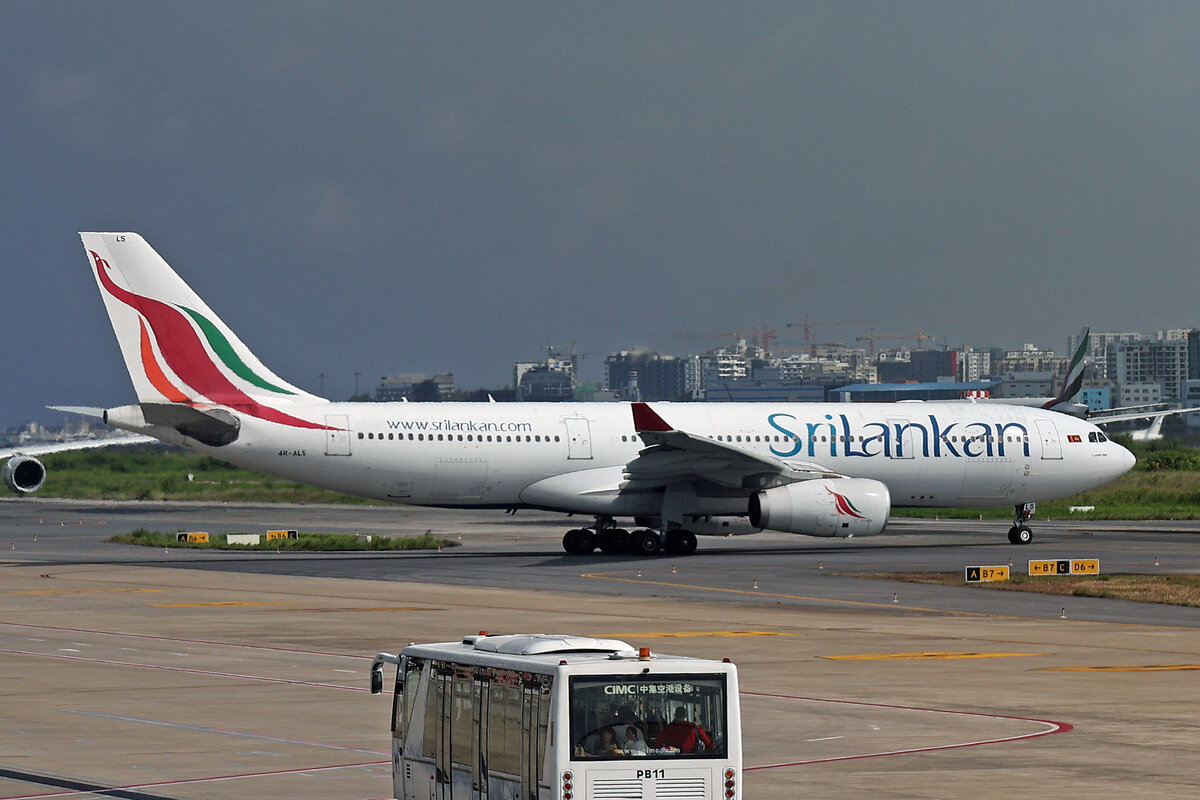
1175,590
303,541
157,473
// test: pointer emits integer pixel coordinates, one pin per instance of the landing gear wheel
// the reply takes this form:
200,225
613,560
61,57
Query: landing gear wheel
644,543
681,542
613,540
579,541
1019,534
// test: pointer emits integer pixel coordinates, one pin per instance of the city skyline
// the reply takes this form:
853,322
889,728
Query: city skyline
370,387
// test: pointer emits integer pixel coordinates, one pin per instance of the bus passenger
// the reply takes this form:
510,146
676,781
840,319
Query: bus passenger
654,725
634,744
605,744
684,735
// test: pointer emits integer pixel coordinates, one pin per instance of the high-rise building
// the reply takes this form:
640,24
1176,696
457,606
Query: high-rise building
930,365
1100,343
404,386
1163,362
658,376
974,364
552,380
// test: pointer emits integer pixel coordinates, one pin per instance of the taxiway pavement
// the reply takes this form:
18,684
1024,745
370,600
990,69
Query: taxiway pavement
137,673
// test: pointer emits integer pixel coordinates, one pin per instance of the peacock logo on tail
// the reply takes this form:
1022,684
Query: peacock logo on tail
175,336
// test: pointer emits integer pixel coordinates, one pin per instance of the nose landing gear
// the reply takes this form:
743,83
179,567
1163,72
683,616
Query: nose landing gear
1020,533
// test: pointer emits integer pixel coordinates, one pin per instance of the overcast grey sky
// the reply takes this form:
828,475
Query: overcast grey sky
388,187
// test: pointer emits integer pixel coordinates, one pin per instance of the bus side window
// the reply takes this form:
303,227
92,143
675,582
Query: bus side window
461,718
406,695
398,702
433,714
504,726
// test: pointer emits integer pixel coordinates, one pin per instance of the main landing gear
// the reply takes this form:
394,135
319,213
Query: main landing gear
614,541
1020,533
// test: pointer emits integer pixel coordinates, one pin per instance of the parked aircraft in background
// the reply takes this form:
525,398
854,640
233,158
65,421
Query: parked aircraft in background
674,470
1064,401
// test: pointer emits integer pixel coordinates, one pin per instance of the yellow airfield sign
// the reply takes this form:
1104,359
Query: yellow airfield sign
1064,566
983,574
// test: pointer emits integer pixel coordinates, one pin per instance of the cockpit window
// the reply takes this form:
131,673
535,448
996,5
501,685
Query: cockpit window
1097,436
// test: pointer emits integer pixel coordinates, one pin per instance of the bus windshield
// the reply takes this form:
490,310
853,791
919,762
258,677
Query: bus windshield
634,716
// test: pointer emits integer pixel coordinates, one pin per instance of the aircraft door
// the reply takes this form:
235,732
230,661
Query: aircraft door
1051,445
579,438
337,435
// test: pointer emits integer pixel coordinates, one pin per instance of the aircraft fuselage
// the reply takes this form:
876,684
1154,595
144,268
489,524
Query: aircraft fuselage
488,455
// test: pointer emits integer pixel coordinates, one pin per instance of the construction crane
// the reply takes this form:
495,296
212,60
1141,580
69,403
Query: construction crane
920,337
761,340
807,326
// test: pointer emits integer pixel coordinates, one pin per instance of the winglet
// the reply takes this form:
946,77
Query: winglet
645,419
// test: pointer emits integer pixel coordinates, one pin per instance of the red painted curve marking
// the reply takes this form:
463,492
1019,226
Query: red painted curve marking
1054,727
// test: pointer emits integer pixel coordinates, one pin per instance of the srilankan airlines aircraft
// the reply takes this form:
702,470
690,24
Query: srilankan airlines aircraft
676,470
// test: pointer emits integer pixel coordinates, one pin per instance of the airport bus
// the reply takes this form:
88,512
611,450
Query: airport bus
538,716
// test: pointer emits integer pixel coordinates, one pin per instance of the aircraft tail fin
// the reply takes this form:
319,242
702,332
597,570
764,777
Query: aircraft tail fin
175,348
1074,378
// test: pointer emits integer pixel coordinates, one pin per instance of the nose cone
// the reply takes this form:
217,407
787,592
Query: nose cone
1124,460
1119,462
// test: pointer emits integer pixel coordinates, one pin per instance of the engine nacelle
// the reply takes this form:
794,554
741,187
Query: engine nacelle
828,507
23,474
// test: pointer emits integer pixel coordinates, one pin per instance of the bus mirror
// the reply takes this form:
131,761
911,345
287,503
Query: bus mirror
377,679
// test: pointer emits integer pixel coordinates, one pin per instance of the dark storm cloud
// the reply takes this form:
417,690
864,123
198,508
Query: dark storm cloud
395,187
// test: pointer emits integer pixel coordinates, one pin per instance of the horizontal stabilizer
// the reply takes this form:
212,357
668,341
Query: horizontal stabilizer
83,411
215,426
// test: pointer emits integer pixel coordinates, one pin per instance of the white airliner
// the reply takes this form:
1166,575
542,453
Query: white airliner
675,470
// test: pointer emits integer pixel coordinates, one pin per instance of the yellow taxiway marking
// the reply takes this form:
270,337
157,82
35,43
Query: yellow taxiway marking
226,603
368,608
894,605
924,655
83,591
1127,668
600,576
690,634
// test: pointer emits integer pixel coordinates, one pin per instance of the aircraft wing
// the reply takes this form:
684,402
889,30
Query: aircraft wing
21,471
81,444
672,456
1129,415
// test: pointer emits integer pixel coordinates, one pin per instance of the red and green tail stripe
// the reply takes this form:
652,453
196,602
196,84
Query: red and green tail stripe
184,353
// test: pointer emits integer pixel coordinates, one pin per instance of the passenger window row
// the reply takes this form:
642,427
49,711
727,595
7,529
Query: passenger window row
451,437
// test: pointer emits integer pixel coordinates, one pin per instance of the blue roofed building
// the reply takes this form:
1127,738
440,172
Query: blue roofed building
895,392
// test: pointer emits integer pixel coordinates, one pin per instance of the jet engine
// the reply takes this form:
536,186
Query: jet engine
841,507
23,474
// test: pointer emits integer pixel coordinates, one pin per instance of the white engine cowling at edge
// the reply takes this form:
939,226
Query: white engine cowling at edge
838,507
23,474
